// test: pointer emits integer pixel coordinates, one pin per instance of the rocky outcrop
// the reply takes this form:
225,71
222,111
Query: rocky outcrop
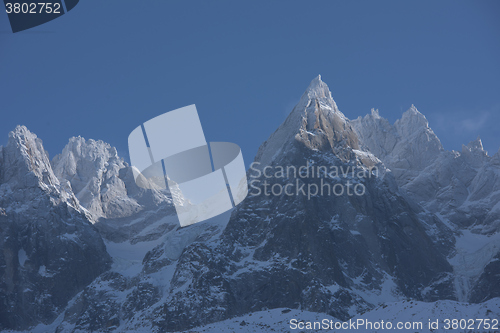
49,249
81,242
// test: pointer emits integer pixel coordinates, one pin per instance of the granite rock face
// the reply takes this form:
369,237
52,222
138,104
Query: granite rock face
342,216
50,250
460,188
336,254
407,147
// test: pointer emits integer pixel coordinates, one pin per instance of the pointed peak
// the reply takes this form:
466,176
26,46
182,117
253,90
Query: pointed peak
475,150
77,139
476,144
414,117
318,89
21,131
78,148
412,111
375,113
24,153
317,94
316,81
22,135
497,155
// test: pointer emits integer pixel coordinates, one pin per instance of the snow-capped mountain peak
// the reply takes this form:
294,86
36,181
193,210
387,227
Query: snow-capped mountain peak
475,144
319,90
474,153
496,157
101,180
317,98
412,122
413,110
24,155
316,123
54,251
427,230
375,114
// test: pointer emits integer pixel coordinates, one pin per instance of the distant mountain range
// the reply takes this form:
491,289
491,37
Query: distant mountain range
83,248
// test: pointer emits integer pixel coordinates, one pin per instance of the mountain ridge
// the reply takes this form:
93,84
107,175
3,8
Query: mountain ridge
340,255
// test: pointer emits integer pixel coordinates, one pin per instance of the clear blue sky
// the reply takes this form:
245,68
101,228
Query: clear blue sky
107,66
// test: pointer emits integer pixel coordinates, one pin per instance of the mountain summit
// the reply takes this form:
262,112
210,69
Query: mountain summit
82,248
316,123
319,90
50,251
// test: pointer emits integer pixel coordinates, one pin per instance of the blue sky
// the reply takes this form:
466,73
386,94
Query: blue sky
107,66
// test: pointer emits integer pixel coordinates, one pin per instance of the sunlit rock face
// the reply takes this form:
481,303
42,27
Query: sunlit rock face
50,250
83,248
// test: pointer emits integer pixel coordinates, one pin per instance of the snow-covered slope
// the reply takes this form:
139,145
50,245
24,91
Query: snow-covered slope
406,148
49,250
90,169
461,188
316,122
410,313
100,180
338,255
424,229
